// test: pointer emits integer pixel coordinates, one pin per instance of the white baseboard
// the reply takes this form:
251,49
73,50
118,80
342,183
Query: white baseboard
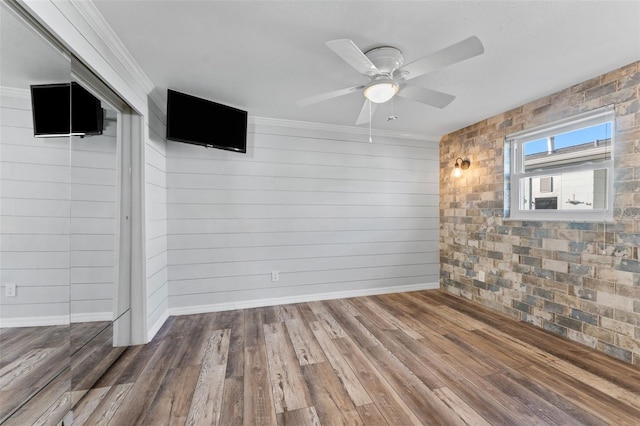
246,304
34,321
55,320
156,327
92,317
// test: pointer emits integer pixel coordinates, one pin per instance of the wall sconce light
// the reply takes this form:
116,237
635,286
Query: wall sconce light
460,166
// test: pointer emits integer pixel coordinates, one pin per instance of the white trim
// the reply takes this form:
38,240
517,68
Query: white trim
34,321
556,170
67,24
91,83
138,262
92,317
247,304
514,156
563,216
92,15
12,92
157,326
265,121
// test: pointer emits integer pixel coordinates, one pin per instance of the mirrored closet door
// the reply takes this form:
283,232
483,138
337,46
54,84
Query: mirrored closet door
35,230
64,262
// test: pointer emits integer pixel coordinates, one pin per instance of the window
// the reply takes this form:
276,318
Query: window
562,170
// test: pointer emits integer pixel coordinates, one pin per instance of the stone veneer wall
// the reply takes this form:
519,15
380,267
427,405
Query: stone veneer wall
549,274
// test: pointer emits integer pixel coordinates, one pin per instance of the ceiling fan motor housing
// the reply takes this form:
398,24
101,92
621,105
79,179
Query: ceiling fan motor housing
386,58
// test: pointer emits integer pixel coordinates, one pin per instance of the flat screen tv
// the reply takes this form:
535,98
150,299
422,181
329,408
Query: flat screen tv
65,109
201,122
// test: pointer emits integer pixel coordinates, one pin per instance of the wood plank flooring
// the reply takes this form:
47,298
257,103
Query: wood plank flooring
31,359
399,359
39,365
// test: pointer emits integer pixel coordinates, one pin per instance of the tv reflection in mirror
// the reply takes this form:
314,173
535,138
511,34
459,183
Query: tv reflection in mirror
65,109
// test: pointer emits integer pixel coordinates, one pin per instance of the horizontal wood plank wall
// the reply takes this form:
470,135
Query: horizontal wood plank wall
330,212
58,221
34,222
93,224
156,221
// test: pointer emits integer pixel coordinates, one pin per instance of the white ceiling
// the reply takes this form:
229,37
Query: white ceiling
263,56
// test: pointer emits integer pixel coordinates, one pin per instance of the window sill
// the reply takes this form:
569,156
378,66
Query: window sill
602,216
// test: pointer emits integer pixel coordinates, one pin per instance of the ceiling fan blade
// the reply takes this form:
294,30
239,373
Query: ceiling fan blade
352,55
365,113
465,49
426,96
328,95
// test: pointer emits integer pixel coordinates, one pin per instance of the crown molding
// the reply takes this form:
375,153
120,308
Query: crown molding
266,121
79,29
92,15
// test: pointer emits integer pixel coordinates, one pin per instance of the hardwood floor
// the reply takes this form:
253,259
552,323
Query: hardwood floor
39,365
32,359
400,359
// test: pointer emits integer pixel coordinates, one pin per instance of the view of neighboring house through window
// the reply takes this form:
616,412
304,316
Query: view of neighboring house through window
562,171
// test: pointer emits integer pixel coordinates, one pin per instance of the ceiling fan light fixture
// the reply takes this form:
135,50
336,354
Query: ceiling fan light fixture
380,91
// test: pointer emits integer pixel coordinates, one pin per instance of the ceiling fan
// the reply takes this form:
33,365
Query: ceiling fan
383,66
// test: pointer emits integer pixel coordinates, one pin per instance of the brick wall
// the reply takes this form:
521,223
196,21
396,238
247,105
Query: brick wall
551,274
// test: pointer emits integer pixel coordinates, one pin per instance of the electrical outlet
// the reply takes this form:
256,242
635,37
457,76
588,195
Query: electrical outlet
10,290
275,276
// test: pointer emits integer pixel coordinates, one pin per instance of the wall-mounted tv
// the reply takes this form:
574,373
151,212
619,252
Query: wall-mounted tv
65,109
202,122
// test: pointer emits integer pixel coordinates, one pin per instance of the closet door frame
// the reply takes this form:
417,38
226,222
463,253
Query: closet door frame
122,296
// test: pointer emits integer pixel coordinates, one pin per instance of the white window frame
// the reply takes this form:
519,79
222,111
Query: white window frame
514,168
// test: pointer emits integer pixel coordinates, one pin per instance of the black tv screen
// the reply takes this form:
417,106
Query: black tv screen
201,122
65,109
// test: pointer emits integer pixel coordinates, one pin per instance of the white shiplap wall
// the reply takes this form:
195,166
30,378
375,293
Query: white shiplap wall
34,221
333,214
93,224
156,222
58,222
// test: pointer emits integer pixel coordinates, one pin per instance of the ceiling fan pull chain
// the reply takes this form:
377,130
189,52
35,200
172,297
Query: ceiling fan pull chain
393,112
